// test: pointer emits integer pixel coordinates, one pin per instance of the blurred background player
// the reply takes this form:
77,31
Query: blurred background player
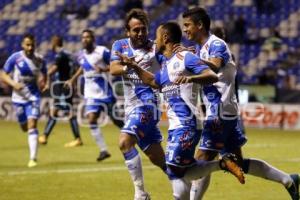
141,101
222,131
98,94
63,68
176,79
26,67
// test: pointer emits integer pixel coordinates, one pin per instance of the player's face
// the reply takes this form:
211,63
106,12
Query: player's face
28,46
138,32
87,40
159,39
190,29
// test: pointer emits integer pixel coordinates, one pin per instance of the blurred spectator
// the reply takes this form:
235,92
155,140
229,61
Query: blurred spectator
239,30
72,11
252,34
82,12
273,42
229,21
219,32
265,6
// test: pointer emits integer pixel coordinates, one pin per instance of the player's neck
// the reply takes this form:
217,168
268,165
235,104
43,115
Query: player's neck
168,51
203,38
90,49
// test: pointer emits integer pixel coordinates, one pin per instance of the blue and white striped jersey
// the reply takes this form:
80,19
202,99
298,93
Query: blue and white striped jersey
137,93
219,98
26,71
96,85
181,99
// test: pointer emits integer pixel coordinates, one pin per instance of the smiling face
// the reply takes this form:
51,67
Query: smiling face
137,32
28,46
191,29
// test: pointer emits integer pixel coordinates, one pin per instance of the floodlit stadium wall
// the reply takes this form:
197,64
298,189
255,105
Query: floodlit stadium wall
255,115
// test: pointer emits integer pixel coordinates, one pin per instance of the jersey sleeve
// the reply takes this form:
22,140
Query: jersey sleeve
218,49
116,47
10,64
106,56
157,78
194,64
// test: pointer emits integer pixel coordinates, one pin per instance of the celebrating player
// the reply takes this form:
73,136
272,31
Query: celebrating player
222,132
26,67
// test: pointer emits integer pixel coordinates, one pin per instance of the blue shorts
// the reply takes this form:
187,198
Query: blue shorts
95,106
142,123
181,146
27,110
222,135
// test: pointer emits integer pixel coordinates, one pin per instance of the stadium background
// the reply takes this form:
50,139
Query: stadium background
264,38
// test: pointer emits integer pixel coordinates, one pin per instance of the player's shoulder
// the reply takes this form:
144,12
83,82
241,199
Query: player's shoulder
15,56
123,43
216,41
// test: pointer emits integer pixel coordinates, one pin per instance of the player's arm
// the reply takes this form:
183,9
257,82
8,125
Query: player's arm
117,68
6,78
201,73
218,55
71,81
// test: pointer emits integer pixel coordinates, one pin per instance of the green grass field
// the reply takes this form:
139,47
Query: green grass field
73,173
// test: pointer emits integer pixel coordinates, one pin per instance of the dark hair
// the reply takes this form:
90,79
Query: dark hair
29,36
198,15
57,40
89,31
137,14
173,30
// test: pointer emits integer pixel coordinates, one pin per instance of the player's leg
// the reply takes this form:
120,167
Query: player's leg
199,187
21,116
43,139
156,155
111,111
32,112
97,135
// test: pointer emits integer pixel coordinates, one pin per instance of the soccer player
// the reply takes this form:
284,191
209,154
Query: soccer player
141,101
26,66
176,80
98,94
222,132
62,68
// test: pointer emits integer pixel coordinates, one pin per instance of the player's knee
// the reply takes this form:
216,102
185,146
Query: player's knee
125,144
205,155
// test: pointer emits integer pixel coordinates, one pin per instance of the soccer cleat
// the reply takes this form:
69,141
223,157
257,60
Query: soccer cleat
43,139
228,163
294,188
75,143
103,155
32,163
144,196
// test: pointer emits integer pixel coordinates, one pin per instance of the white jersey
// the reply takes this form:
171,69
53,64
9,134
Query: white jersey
96,85
137,93
220,98
181,99
25,71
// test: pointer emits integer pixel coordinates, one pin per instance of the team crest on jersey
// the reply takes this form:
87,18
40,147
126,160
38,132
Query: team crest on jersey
203,55
176,65
81,61
21,64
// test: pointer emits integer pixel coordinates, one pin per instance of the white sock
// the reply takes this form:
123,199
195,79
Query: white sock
33,143
97,134
262,169
181,189
203,168
134,166
199,187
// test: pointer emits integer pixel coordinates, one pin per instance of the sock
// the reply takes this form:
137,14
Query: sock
201,169
74,126
96,133
50,124
199,187
264,170
181,189
134,165
33,143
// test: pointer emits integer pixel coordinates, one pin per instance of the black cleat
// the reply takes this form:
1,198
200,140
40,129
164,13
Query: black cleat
103,155
229,163
294,189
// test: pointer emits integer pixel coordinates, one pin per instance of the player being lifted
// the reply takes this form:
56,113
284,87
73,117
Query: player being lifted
222,131
176,79
62,68
141,101
26,67
98,94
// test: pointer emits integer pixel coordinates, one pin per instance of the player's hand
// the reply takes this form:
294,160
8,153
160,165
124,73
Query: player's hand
46,87
68,84
182,80
179,48
129,61
18,86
